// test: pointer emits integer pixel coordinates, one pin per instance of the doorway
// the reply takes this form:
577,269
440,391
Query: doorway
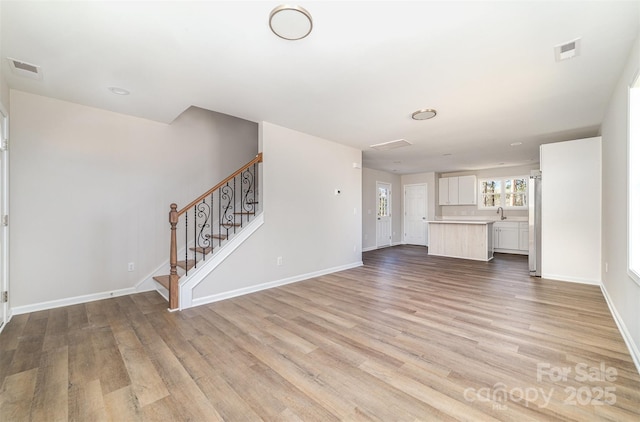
4,217
415,214
383,222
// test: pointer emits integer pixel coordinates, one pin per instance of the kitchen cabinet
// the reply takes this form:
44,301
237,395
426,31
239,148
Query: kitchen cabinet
459,190
467,186
448,191
511,237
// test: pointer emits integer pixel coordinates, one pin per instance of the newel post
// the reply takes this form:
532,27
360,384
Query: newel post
173,260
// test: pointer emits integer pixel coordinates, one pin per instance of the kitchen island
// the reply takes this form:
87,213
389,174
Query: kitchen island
461,239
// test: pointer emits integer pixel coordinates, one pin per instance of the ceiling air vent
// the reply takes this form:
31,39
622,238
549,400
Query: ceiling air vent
567,50
25,69
385,146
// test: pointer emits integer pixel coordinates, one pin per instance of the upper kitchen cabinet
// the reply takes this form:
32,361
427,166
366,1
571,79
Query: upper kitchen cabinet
459,190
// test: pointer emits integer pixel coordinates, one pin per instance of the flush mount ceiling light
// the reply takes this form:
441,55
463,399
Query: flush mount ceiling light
515,144
424,114
290,22
118,91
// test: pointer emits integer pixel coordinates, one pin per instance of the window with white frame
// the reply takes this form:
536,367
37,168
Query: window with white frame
634,182
505,192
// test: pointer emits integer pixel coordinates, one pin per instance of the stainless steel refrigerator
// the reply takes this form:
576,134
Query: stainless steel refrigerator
535,222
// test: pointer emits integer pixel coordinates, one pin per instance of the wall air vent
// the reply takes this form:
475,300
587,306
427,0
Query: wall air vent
567,50
28,70
385,146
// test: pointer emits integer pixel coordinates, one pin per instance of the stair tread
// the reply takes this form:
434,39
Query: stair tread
217,236
163,280
200,249
186,265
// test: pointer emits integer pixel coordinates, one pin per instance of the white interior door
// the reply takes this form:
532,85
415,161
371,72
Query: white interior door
383,223
4,212
415,214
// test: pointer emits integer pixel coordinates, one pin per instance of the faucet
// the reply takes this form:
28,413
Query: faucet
501,212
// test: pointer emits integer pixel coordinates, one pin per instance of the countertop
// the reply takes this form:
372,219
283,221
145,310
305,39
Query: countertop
461,222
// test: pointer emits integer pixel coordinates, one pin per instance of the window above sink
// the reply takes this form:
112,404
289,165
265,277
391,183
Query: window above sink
510,193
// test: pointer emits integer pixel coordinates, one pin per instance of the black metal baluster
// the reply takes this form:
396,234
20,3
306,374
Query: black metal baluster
219,217
242,200
210,228
195,231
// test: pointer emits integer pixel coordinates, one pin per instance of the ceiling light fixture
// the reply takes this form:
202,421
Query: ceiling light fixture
290,22
118,91
515,144
424,114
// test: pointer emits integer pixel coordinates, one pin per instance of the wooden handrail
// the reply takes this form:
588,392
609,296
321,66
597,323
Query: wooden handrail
258,159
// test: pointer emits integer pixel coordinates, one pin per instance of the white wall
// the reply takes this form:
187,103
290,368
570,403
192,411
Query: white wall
369,207
4,88
305,223
571,210
622,292
90,191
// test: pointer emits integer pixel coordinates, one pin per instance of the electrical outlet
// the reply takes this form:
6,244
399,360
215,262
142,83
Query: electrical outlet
279,261
131,266
606,267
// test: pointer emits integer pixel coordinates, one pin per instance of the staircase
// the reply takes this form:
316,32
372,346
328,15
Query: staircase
203,228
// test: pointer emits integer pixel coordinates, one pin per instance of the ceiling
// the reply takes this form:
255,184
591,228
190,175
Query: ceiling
488,68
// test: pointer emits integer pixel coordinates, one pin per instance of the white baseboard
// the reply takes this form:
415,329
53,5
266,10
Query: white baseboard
42,306
373,248
571,279
269,285
626,336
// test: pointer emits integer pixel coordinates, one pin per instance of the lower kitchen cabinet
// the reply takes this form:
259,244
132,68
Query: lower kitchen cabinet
511,237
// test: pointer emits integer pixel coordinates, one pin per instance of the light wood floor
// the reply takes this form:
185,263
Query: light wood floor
407,337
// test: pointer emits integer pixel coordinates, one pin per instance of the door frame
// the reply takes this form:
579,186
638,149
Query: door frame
390,207
426,211
5,309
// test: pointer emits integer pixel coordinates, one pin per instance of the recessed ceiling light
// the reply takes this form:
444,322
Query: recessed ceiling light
290,22
448,154
424,114
515,144
118,91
